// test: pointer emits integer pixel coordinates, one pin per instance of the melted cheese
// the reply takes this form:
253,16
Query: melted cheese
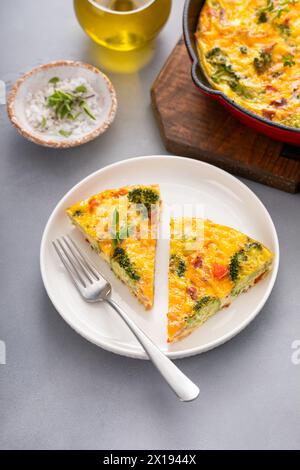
260,41
214,246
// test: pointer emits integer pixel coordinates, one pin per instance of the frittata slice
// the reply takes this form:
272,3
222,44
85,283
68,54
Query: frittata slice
210,265
121,225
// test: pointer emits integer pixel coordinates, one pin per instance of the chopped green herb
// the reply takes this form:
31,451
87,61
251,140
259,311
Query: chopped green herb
282,8
75,116
64,133
114,231
120,233
116,217
244,49
275,9
87,110
64,103
115,242
269,7
54,80
80,89
131,229
44,122
123,232
288,60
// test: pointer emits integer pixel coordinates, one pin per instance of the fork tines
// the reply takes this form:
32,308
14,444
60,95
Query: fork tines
80,269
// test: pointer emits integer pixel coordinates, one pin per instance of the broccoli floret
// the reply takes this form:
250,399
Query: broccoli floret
241,90
122,258
178,265
284,29
181,268
262,62
244,49
215,53
293,121
77,213
203,302
288,60
202,309
135,195
222,69
262,17
234,266
146,196
224,73
237,258
255,245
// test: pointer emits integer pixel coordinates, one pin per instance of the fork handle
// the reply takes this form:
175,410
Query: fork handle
183,387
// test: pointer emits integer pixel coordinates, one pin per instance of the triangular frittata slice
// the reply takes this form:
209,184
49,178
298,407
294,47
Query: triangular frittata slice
121,225
210,265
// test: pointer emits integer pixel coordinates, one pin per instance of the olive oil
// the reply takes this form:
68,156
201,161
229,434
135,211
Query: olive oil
122,25
123,5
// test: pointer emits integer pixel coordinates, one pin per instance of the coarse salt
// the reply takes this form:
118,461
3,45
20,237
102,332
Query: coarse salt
44,119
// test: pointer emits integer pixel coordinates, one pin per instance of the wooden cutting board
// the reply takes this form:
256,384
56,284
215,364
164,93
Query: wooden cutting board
196,126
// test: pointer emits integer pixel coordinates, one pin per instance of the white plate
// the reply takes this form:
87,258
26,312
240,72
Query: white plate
183,181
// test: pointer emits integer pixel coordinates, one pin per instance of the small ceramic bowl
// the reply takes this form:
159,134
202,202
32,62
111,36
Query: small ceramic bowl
38,78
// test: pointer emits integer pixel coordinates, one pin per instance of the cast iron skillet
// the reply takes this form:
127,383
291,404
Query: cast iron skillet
274,130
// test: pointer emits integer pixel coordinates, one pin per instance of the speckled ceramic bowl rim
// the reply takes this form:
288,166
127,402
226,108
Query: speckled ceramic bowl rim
46,142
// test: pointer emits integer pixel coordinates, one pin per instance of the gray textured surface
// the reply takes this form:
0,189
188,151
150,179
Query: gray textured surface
59,391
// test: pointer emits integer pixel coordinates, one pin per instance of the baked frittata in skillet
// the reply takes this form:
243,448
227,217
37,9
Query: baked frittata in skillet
210,265
121,225
250,50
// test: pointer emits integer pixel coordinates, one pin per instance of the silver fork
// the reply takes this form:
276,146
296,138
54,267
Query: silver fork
93,287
